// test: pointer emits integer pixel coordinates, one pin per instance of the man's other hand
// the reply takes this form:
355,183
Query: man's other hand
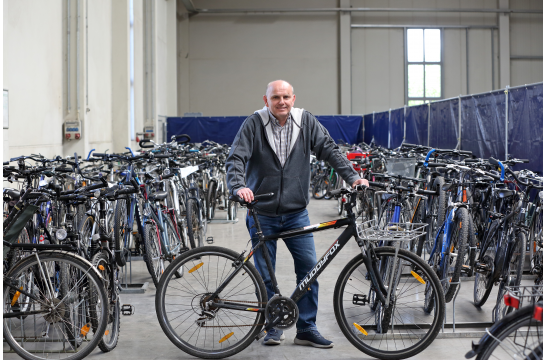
247,194
357,182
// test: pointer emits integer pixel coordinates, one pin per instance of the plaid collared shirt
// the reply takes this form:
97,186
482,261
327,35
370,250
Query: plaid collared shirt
282,137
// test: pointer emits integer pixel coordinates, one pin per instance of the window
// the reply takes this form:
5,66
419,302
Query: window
423,65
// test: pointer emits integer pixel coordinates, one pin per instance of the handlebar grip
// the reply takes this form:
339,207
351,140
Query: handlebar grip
143,141
436,165
65,170
426,192
334,192
98,155
469,161
127,191
493,161
161,156
67,197
465,152
377,184
260,196
93,187
524,161
163,177
6,163
409,145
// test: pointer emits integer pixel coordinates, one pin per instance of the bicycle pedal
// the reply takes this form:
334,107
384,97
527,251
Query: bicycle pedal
210,240
127,309
261,335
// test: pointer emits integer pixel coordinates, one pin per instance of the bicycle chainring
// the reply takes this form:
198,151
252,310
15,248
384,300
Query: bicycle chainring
283,308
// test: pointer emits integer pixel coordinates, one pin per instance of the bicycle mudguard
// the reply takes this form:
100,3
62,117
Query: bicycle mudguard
492,334
18,223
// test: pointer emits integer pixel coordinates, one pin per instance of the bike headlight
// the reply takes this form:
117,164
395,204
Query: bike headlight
166,172
97,194
61,234
541,194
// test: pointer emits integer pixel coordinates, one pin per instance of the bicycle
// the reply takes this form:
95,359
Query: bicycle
220,305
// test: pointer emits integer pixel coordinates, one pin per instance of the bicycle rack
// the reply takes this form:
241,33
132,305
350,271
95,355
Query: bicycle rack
129,287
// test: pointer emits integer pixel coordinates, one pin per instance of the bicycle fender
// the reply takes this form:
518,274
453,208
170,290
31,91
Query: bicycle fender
87,262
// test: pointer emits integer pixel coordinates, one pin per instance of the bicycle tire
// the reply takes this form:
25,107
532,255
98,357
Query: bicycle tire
120,232
320,188
511,327
452,269
77,272
211,199
192,216
482,285
516,263
153,256
232,210
359,283
198,277
85,231
174,241
437,211
111,335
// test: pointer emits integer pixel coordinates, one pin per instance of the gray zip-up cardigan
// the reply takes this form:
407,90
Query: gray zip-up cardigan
253,163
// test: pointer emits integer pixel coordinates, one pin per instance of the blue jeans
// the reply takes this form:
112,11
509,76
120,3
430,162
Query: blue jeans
304,258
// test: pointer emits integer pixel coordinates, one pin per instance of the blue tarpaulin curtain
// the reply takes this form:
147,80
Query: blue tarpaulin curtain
380,128
416,119
348,128
483,125
396,127
525,129
368,128
444,124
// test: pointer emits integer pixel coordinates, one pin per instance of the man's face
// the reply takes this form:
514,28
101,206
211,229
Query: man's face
280,99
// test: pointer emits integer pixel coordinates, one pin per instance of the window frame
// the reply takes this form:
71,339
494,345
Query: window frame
424,63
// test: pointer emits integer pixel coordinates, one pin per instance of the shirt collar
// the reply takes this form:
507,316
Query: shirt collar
275,120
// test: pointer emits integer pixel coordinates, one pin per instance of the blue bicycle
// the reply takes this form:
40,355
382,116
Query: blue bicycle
448,254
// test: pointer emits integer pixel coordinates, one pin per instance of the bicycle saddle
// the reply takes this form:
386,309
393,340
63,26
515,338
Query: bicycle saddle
159,195
12,193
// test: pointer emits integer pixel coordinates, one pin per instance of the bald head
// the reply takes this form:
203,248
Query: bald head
279,98
278,84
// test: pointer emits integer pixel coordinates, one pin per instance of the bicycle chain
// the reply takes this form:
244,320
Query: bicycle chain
238,301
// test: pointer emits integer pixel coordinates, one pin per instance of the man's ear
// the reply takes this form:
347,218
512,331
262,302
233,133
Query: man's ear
265,100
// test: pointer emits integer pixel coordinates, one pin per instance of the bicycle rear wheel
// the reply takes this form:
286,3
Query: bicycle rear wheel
403,329
519,337
187,314
454,258
514,278
59,314
153,256
121,232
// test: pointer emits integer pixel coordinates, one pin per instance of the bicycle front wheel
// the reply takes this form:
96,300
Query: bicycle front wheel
55,317
404,328
187,312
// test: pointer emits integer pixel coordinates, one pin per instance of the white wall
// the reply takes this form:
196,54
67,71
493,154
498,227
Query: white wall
36,66
33,74
229,59
100,75
219,53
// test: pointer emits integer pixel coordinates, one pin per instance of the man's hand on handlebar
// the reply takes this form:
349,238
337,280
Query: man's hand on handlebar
246,194
360,182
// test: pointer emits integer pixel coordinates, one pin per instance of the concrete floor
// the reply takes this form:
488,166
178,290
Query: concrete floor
141,336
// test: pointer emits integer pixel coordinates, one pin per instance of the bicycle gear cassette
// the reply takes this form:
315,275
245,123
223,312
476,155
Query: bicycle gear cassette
282,309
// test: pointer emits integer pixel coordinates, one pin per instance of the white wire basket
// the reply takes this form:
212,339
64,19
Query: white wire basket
369,230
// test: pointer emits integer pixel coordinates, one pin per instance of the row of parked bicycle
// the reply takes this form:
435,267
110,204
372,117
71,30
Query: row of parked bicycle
98,211
483,220
71,224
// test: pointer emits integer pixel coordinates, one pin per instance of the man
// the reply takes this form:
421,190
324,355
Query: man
271,154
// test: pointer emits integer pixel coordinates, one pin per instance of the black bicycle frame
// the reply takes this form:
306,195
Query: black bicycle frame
318,268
